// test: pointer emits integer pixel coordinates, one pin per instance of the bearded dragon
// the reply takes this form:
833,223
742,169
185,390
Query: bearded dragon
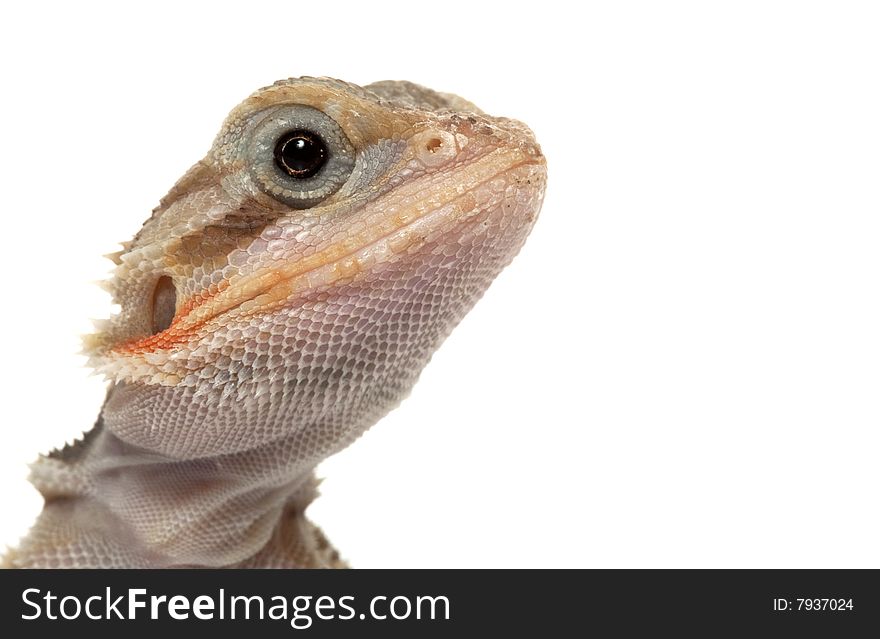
282,298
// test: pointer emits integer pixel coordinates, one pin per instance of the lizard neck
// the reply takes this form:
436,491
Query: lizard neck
146,509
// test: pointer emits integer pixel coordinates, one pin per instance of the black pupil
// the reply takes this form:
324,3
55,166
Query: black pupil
300,153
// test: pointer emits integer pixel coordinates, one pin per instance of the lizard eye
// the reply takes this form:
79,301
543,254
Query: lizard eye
299,155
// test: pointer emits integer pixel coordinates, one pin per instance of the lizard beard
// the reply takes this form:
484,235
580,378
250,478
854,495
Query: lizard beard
180,475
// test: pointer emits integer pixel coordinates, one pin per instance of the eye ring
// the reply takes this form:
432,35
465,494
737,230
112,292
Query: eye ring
299,155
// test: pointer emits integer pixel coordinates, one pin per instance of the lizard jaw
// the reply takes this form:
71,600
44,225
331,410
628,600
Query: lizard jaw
402,221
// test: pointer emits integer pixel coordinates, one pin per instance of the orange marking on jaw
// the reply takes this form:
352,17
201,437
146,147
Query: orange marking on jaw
176,334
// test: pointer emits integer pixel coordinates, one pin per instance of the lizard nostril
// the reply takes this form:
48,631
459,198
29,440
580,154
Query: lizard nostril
433,145
164,304
434,148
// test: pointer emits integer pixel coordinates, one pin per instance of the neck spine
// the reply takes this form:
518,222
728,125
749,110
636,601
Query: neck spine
126,506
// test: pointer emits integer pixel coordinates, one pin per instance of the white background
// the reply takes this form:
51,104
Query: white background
680,369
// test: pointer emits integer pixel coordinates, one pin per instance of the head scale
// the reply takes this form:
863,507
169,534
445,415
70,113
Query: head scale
297,279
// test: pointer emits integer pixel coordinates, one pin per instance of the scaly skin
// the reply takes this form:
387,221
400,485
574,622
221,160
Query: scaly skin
269,319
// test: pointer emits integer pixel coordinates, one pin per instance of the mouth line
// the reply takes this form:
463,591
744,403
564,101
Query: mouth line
400,229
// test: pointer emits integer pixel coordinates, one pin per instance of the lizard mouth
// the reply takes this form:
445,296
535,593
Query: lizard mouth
420,212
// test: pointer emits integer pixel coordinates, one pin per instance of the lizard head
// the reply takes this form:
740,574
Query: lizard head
298,278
